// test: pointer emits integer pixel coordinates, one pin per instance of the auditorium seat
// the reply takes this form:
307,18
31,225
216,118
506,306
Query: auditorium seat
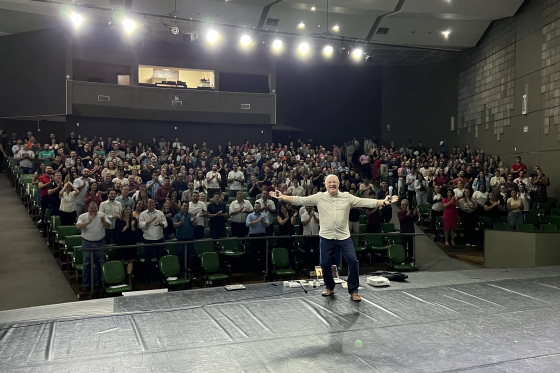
214,272
549,228
525,227
113,274
169,267
397,259
281,263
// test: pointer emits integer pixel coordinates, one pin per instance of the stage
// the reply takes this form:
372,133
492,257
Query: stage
475,321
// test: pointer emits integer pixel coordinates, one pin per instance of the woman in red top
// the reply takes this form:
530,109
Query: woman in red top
450,216
441,180
95,170
92,195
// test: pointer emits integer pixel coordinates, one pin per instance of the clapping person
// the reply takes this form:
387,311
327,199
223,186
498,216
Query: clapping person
468,212
238,211
450,216
127,234
68,195
185,223
435,200
152,222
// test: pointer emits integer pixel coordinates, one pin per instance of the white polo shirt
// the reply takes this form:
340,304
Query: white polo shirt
195,209
95,231
312,228
241,217
111,208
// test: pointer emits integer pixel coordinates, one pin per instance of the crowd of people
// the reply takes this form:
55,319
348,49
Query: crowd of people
123,192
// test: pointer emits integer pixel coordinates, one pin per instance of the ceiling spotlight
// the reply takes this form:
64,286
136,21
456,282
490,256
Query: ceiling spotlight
129,25
357,52
277,44
328,49
313,8
446,33
245,40
175,30
303,47
301,25
336,28
212,36
76,19
369,58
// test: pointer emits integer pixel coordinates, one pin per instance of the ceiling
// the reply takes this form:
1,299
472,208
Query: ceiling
418,23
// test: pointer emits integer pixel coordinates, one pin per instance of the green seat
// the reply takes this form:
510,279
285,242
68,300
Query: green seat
70,242
545,206
397,258
141,255
552,200
525,227
552,220
169,267
538,211
297,229
358,245
210,262
65,230
503,219
502,227
203,247
555,212
275,221
228,231
363,219
362,228
298,220
390,228
171,248
113,274
485,222
281,262
207,233
375,243
232,248
549,228
77,261
531,218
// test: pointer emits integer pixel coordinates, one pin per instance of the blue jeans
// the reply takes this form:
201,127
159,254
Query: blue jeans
190,254
514,218
98,260
328,249
26,170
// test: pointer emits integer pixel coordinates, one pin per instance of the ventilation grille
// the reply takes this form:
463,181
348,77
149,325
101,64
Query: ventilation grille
272,21
382,31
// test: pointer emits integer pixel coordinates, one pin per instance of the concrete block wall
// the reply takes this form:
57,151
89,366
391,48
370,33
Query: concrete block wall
517,57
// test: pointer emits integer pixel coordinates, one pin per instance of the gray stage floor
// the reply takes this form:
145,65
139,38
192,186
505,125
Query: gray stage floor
475,321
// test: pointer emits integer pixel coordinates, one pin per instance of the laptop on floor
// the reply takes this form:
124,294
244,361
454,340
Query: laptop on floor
319,275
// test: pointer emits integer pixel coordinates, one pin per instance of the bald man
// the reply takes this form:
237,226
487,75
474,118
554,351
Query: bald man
334,209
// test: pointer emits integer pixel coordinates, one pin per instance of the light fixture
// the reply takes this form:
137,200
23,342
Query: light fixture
212,36
129,25
175,30
369,58
245,40
357,52
303,47
328,49
336,28
313,8
277,44
446,33
76,19
301,25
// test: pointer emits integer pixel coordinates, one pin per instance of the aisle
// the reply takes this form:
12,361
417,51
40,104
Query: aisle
29,275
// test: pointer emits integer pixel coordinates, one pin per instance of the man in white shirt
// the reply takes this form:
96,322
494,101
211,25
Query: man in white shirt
92,224
120,177
268,207
235,180
310,222
198,210
238,211
25,158
82,184
334,208
296,190
112,209
152,222
213,179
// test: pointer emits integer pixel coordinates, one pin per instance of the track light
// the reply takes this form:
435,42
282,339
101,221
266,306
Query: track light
245,40
328,50
336,28
129,25
303,47
313,8
212,36
446,33
357,52
277,44
76,19
369,58
301,25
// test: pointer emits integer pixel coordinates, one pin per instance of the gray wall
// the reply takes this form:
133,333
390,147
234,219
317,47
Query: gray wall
517,56
33,73
416,99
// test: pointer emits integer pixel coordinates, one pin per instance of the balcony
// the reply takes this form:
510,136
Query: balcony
169,104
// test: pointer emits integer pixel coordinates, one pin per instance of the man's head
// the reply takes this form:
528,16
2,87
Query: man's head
383,185
257,207
124,191
72,154
85,173
49,170
239,196
309,209
120,173
25,147
404,204
151,205
47,147
264,195
167,182
216,198
185,208
131,180
92,208
195,197
332,183
518,160
155,176
111,194
214,168
107,178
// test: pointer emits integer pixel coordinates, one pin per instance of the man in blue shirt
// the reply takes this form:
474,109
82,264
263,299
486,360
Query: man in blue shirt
217,212
257,223
185,222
